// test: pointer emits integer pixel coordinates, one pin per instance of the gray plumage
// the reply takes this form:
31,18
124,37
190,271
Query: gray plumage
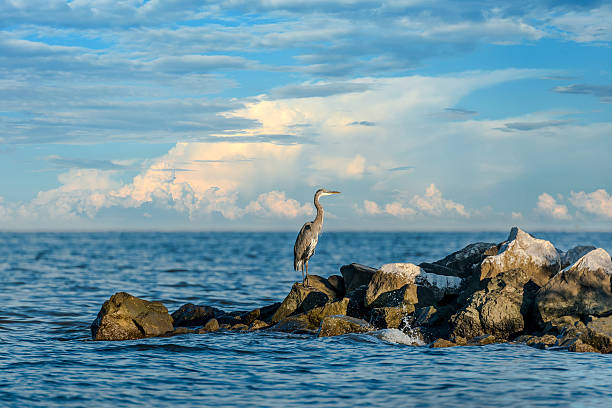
308,237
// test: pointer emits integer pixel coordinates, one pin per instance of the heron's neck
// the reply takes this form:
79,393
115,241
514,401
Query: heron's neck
319,218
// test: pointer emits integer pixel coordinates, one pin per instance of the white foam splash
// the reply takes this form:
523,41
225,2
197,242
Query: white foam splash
396,336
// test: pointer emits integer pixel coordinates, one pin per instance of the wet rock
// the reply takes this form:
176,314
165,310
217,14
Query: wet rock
580,347
311,320
461,341
404,283
424,315
390,317
182,330
573,255
263,313
337,282
192,315
295,324
210,326
250,317
258,325
536,257
500,309
482,340
231,318
409,294
337,325
465,260
356,275
540,342
322,285
438,269
599,334
224,326
581,290
432,322
569,336
240,327
563,324
126,317
440,343
317,314
301,299
356,306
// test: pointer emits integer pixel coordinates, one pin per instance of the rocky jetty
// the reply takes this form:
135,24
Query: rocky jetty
520,290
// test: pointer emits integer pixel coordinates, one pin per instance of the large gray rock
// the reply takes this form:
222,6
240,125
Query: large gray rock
463,262
126,317
337,325
192,315
405,283
581,290
573,255
537,257
301,299
501,309
356,275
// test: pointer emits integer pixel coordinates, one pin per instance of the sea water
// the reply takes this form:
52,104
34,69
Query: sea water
52,285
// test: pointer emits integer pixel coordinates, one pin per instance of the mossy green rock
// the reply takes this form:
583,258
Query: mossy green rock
126,317
311,320
337,325
390,317
304,298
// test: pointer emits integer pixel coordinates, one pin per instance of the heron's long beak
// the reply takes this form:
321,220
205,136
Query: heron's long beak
333,192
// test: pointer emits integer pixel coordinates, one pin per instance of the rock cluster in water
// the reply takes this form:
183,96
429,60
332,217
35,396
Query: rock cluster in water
522,290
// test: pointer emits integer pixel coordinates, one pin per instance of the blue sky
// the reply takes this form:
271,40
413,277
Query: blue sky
229,115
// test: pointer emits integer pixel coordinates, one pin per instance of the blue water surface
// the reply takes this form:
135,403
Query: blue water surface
52,285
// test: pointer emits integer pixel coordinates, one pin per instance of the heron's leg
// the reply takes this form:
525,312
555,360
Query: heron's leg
306,263
302,269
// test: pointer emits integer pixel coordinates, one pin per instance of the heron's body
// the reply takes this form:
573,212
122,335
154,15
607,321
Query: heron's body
308,237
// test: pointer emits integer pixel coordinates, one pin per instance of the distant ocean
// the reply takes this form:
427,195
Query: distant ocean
52,285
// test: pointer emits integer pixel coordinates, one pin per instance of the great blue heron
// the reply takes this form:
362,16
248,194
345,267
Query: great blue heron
308,237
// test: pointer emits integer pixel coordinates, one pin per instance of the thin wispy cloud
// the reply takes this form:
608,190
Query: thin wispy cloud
527,126
361,123
68,162
604,92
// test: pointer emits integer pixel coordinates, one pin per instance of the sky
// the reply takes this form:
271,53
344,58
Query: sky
206,115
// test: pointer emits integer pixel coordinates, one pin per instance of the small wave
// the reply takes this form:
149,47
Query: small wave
174,348
396,336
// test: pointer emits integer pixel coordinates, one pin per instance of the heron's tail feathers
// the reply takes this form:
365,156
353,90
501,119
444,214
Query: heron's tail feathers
298,264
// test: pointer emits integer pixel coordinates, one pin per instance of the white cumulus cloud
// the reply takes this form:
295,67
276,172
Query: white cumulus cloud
371,207
433,203
547,205
276,203
398,210
598,202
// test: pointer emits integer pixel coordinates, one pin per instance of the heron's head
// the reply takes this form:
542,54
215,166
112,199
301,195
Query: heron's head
324,192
